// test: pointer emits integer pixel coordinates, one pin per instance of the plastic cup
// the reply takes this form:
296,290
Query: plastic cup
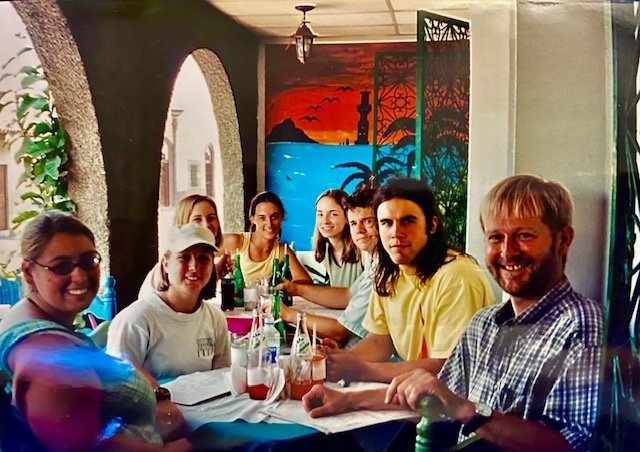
251,298
261,374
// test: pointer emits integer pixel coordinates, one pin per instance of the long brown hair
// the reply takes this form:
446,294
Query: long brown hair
432,256
350,252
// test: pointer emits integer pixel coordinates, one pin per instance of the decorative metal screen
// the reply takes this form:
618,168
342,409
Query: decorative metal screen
442,137
619,427
437,149
394,114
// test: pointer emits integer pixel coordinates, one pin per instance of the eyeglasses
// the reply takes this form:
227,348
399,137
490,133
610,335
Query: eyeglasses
87,262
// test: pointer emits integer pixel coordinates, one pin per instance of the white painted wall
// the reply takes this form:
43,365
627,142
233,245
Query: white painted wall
541,102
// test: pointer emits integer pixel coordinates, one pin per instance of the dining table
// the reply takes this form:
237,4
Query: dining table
232,421
239,319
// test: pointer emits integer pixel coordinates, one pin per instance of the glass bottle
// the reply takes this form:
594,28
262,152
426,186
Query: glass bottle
285,273
275,272
276,299
301,359
272,338
238,282
257,356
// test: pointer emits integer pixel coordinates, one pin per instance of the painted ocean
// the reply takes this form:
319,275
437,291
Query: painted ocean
299,172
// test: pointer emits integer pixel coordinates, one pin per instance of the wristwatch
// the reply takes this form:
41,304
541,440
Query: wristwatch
162,393
481,416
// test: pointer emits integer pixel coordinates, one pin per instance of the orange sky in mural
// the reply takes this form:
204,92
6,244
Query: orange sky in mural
322,95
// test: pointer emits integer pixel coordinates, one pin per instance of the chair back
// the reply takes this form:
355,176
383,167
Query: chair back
10,291
103,305
100,334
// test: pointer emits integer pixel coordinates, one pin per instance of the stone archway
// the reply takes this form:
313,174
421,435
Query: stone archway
229,137
58,51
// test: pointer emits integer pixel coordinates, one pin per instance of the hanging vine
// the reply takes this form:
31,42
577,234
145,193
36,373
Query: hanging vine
41,139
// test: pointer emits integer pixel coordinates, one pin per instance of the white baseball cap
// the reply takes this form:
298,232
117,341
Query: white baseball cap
187,235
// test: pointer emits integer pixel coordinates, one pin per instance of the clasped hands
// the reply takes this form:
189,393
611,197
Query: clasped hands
405,391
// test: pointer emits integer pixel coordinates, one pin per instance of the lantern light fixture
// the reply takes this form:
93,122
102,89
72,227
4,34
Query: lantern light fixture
304,35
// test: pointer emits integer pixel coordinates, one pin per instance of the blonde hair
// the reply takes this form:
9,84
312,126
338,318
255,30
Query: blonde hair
527,195
185,207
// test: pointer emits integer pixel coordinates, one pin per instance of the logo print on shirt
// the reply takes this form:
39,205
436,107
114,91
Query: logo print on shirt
205,347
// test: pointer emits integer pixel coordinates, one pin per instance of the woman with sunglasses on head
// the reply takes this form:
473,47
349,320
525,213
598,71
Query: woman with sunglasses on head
176,330
332,243
201,210
259,247
66,393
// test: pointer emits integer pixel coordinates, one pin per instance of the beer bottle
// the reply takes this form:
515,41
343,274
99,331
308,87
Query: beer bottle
285,273
276,299
238,282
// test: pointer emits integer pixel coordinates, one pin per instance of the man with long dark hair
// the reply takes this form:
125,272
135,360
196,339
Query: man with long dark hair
425,291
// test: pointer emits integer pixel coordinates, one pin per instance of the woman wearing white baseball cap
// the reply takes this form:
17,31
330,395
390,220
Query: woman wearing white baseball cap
175,330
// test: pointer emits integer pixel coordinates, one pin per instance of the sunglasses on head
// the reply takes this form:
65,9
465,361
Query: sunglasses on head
87,262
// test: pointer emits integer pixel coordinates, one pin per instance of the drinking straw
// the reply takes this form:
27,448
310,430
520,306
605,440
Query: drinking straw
315,337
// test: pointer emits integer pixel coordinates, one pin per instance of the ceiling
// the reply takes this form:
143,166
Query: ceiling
339,20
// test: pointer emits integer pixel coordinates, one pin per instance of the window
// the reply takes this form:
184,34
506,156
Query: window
194,174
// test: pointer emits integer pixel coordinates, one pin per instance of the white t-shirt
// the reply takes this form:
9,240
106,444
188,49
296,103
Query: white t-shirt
168,343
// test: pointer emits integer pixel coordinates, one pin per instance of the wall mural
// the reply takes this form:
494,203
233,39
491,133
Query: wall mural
346,114
318,125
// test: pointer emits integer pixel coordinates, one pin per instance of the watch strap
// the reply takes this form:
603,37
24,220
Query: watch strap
474,424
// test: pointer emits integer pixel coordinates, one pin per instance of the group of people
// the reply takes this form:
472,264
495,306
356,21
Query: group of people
418,314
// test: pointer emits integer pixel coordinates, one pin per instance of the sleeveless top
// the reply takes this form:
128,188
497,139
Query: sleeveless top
128,400
341,275
252,271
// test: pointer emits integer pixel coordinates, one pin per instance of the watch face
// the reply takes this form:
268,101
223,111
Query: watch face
483,409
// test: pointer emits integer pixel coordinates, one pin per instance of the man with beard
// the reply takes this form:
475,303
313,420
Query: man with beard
525,374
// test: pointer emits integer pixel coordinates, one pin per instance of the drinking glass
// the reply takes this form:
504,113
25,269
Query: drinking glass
261,373
251,297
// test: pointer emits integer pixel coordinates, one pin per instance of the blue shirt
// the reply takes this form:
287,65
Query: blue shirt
353,315
543,365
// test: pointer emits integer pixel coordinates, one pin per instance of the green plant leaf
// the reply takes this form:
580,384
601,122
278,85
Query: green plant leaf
31,79
60,138
28,70
52,168
42,127
31,196
22,217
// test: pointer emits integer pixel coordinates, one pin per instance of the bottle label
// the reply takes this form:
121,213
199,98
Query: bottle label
273,354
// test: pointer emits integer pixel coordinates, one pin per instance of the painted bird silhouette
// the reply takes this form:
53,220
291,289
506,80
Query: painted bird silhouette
344,88
314,107
331,99
309,118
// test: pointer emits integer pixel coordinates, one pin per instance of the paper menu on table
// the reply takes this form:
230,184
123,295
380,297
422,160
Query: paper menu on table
199,386
292,411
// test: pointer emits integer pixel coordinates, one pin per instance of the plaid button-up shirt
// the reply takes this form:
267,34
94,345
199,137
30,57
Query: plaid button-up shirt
543,365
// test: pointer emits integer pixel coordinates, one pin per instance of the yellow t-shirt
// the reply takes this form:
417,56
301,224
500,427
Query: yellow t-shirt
253,271
438,312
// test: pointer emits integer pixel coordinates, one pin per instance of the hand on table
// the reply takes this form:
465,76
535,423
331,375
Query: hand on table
322,401
409,388
344,365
